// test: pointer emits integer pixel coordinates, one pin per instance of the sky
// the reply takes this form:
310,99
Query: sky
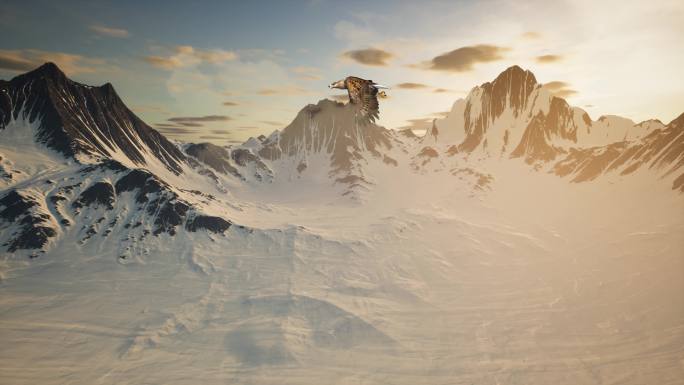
222,71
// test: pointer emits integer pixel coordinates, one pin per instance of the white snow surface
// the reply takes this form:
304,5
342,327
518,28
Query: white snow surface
423,281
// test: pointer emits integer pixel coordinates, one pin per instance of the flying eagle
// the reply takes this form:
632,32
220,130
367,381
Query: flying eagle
362,93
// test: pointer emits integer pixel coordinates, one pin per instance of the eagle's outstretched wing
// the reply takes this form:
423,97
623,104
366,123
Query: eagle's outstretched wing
364,95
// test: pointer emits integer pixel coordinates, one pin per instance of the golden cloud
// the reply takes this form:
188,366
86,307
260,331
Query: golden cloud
186,56
548,58
198,121
463,59
411,86
109,31
286,90
369,56
531,35
560,89
28,59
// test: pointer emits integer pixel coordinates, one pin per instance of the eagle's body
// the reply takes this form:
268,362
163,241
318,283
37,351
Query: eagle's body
363,94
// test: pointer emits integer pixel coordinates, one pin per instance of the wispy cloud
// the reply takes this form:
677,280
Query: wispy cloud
231,104
145,108
463,59
531,35
28,59
369,56
198,121
271,122
186,56
15,61
560,89
411,86
307,73
173,129
110,31
548,58
285,90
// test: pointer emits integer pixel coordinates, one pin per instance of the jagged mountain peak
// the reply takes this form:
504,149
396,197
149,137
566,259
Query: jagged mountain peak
328,126
81,121
48,70
516,77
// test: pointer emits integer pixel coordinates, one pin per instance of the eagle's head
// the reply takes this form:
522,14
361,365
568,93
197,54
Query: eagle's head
338,84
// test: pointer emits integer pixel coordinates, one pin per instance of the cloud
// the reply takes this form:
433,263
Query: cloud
152,108
109,31
419,121
172,129
565,93
28,59
548,58
198,121
14,61
463,59
441,90
411,86
560,89
216,137
187,56
307,73
369,56
230,104
270,122
206,118
167,63
531,35
348,31
285,90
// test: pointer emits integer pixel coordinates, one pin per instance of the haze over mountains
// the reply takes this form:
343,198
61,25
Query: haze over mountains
519,239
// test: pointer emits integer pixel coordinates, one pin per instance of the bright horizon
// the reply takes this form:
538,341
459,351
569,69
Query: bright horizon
211,73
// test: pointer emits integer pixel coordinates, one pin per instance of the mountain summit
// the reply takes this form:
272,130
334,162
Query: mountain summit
81,121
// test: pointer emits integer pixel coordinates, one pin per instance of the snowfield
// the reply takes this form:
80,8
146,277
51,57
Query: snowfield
538,282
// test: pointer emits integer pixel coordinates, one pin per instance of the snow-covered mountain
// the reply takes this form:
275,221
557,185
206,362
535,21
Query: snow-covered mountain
82,122
514,116
77,163
333,252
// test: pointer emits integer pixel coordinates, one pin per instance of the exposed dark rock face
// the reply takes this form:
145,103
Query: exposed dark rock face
141,180
34,226
158,197
78,119
245,158
169,214
100,193
216,157
214,224
164,205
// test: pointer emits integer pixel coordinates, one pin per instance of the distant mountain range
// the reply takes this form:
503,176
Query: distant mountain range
75,160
